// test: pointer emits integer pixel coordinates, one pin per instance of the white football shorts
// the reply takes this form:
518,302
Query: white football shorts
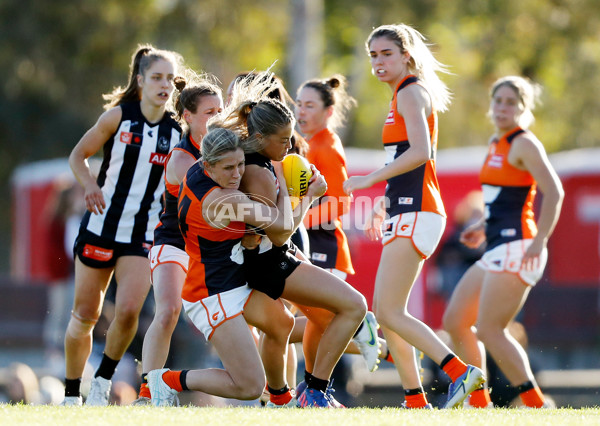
425,230
507,258
166,253
212,311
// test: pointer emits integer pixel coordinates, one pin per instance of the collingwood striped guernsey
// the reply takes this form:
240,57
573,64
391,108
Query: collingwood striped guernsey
131,176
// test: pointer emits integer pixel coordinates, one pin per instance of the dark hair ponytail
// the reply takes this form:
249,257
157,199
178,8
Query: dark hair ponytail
332,92
141,60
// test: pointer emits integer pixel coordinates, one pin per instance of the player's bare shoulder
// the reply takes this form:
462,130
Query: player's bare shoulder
525,149
110,119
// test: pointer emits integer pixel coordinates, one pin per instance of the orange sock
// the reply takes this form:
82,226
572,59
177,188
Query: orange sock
455,368
480,398
144,391
172,378
281,399
532,398
416,401
388,357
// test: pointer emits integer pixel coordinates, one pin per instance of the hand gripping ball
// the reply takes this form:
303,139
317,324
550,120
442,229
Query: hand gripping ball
297,173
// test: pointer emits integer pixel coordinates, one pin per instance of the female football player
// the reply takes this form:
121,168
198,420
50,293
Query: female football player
412,206
492,292
136,133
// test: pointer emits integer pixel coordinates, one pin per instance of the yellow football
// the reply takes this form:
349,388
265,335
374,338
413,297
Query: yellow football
297,173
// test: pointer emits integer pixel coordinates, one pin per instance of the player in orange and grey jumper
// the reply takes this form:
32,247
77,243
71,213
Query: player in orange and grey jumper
414,211
492,292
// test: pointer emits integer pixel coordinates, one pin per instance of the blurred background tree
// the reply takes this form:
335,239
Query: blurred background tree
57,59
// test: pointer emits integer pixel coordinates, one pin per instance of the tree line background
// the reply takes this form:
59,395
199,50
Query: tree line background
57,58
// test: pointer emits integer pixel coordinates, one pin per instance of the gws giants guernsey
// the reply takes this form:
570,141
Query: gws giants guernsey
508,194
328,243
167,231
216,256
417,190
130,176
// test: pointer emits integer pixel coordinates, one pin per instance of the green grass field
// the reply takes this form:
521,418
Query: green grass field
48,415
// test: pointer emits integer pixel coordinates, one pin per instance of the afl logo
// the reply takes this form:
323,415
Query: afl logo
163,144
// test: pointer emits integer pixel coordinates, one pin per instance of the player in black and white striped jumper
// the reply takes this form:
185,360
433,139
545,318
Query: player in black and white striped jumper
136,133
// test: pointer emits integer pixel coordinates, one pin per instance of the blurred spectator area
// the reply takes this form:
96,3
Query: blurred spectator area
23,307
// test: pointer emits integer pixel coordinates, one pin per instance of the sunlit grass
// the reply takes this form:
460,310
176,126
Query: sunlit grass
48,415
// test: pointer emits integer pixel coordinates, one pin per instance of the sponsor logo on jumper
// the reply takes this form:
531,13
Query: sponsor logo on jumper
390,118
509,232
496,161
405,200
126,137
158,158
319,257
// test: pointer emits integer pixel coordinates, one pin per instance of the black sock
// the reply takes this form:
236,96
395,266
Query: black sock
183,379
447,360
107,368
72,387
528,385
359,328
278,391
316,383
415,391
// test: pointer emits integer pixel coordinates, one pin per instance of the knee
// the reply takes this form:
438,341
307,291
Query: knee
252,389
127,315
451,323
388,318
256,390
288,323
282,327
487,333
80,327
360,307
167,316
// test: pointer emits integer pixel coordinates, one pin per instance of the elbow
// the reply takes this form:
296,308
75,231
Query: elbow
279,238
76,157
72,157
557,194
560,193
